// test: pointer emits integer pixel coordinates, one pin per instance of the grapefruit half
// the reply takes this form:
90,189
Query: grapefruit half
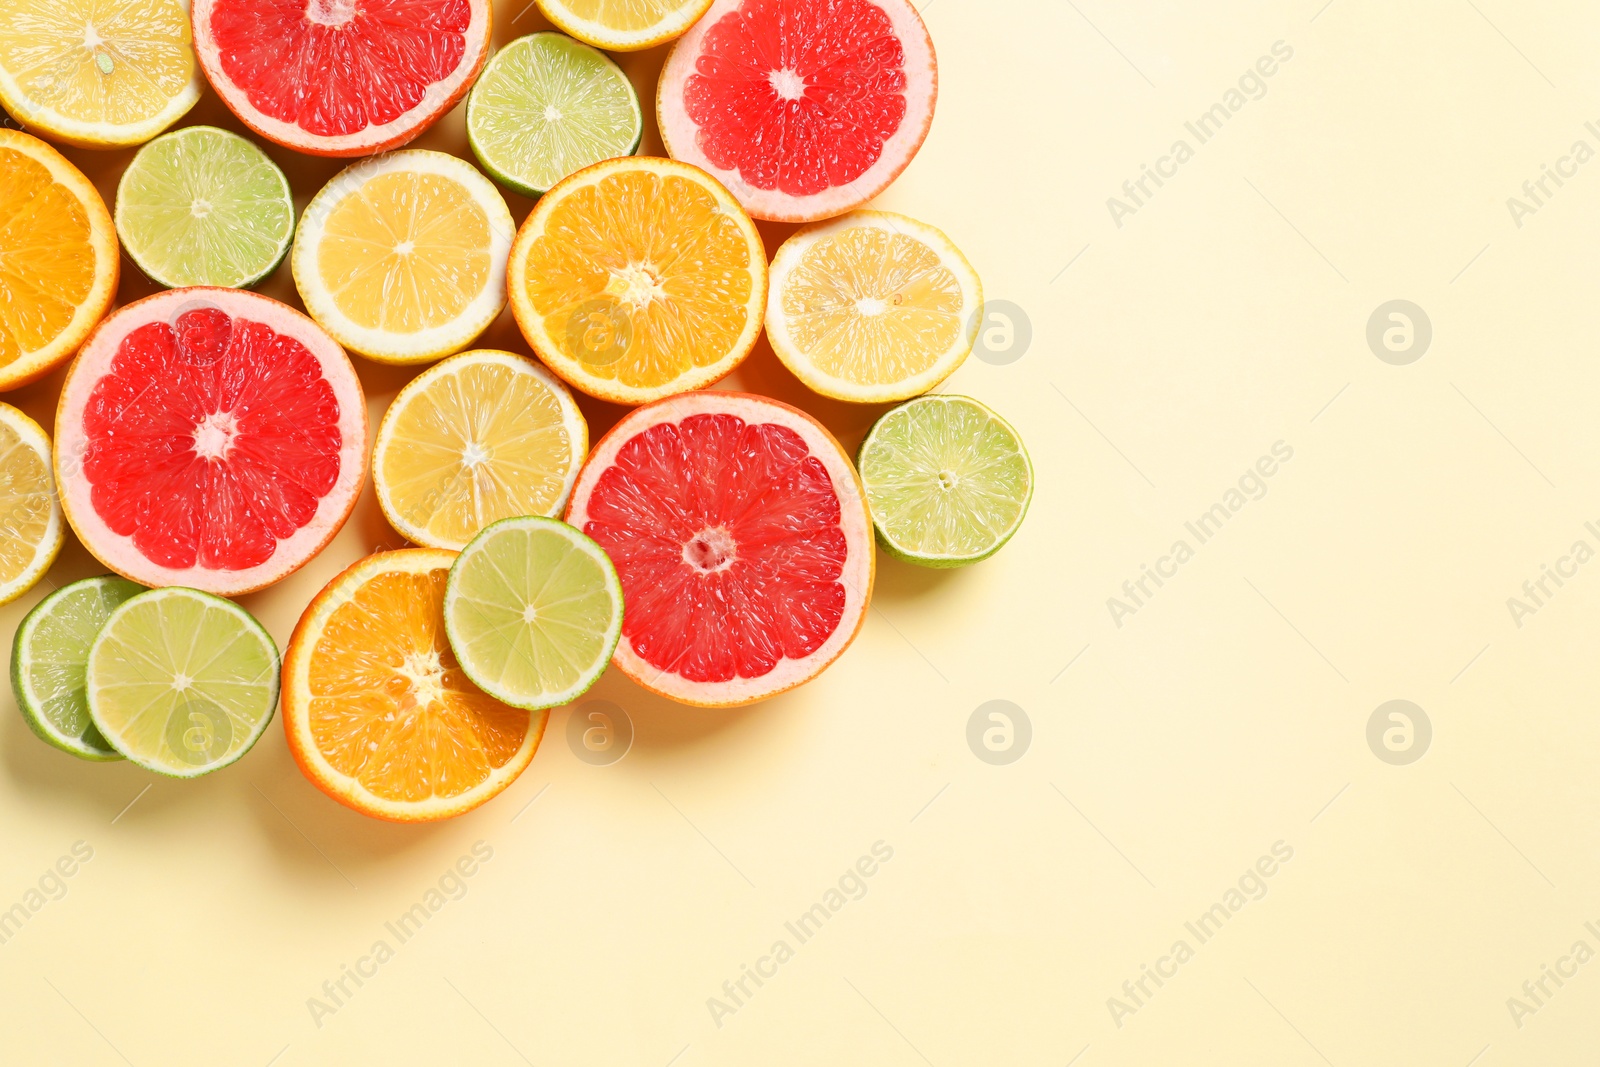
341,77
211,438
740,533
804,109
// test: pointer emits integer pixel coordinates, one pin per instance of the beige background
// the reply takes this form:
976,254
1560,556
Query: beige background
1167,755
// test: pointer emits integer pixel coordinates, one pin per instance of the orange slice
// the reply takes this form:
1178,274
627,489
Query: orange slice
58,258
379,714
638,278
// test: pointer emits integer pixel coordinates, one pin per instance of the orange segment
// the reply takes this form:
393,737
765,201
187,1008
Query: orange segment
379,714
639,278
58,258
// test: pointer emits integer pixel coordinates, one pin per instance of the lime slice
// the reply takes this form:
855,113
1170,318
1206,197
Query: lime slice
202,206
182,682
947,480
533,610
49,657
546,106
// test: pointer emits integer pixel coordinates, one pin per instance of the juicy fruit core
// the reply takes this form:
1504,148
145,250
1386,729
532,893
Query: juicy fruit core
798,96
335,67
209,440
726,536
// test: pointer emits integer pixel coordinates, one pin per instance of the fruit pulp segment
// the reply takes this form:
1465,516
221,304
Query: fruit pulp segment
798,96
335,67
180,680
532,612
58,654
210,440
405,252
47,264
99,61
481,444
25,502
658,255
391,708
945,479
869,306
727,539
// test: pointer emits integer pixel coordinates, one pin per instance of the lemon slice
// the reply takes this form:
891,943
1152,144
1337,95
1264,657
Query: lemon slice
31,529
872,307
624,25
97,73
402,257
480,437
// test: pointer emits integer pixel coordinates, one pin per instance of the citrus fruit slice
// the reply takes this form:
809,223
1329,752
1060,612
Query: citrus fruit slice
948,481
379,715
97,73
58,258
638,278
547,106
402,257
50,655
872,307
480,437
340,77
31,530
212,438
181,682
202,206
739,532
533,610
805,109
624,25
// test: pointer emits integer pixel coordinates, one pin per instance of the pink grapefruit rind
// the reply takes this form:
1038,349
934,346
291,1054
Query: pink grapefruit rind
856,576
681,135
438,98
94,361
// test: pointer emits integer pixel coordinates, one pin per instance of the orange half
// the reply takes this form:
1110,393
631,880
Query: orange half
58,258
379,714
638,278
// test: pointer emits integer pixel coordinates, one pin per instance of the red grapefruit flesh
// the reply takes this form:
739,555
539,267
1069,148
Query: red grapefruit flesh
212,438
804,109
740,533
341,77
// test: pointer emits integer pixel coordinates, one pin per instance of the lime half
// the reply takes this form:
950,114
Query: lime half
49,657
182,682
202,206
947,480
546,106
533,610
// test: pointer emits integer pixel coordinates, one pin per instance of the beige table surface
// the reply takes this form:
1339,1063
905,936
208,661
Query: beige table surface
1176,341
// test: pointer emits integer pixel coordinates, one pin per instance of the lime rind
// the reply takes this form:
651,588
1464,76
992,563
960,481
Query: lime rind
182,682
49,656
204,206
947,480
533,611
547,106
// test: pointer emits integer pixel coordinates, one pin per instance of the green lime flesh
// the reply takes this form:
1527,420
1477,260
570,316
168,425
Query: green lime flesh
533,611
182,682
50,655
948,481
203,206
546,106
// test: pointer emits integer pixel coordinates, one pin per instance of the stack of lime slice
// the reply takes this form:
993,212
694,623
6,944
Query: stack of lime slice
178,681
